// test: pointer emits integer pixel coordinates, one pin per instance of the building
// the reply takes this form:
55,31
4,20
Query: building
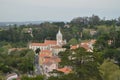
88,45
56,49
49,49
43,54
48,44
49,64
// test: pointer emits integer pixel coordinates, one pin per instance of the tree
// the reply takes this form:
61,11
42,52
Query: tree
117,39
102,42
112,54
84,65
94,20
109,70
86,34
72,41
17,61
37,51
59,24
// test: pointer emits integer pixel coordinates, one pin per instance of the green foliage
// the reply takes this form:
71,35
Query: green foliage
37,50
15,35
4,68
84,64
102,42
40,77
59,24
110,71
73,41
86,34
112,54
44,31
17,61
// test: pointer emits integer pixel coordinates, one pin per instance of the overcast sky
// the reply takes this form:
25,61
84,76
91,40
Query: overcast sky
60,10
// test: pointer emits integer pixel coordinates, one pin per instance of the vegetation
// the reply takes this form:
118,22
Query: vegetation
83,64
109,70
19,61
102,64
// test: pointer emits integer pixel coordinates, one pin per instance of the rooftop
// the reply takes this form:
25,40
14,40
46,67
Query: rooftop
38,44
65,70
50,42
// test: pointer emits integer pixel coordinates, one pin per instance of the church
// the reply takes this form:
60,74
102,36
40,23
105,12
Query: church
53,45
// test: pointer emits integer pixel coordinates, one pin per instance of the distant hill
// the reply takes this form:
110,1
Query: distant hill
24,23
20,23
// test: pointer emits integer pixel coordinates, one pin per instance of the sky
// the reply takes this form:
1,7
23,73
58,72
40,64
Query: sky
56,10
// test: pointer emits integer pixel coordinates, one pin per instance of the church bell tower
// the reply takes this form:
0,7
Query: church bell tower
59,38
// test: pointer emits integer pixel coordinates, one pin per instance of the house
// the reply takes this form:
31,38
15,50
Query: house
43,54
49,64
88,45
48,61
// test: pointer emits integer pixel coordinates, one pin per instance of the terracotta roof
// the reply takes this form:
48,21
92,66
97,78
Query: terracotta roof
52,60
50,42
56,47
38,44
65,70
85,46
46,42
43,55
45,51
74,47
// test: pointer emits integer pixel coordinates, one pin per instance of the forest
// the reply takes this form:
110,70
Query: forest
104,63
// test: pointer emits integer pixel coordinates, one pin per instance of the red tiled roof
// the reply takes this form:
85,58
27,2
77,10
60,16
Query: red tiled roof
65,70
85,46
38,44
51,60
44,55
74,47
46,42
50,42
56,47
46,51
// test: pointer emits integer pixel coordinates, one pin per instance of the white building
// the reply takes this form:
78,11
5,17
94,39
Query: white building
50,44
